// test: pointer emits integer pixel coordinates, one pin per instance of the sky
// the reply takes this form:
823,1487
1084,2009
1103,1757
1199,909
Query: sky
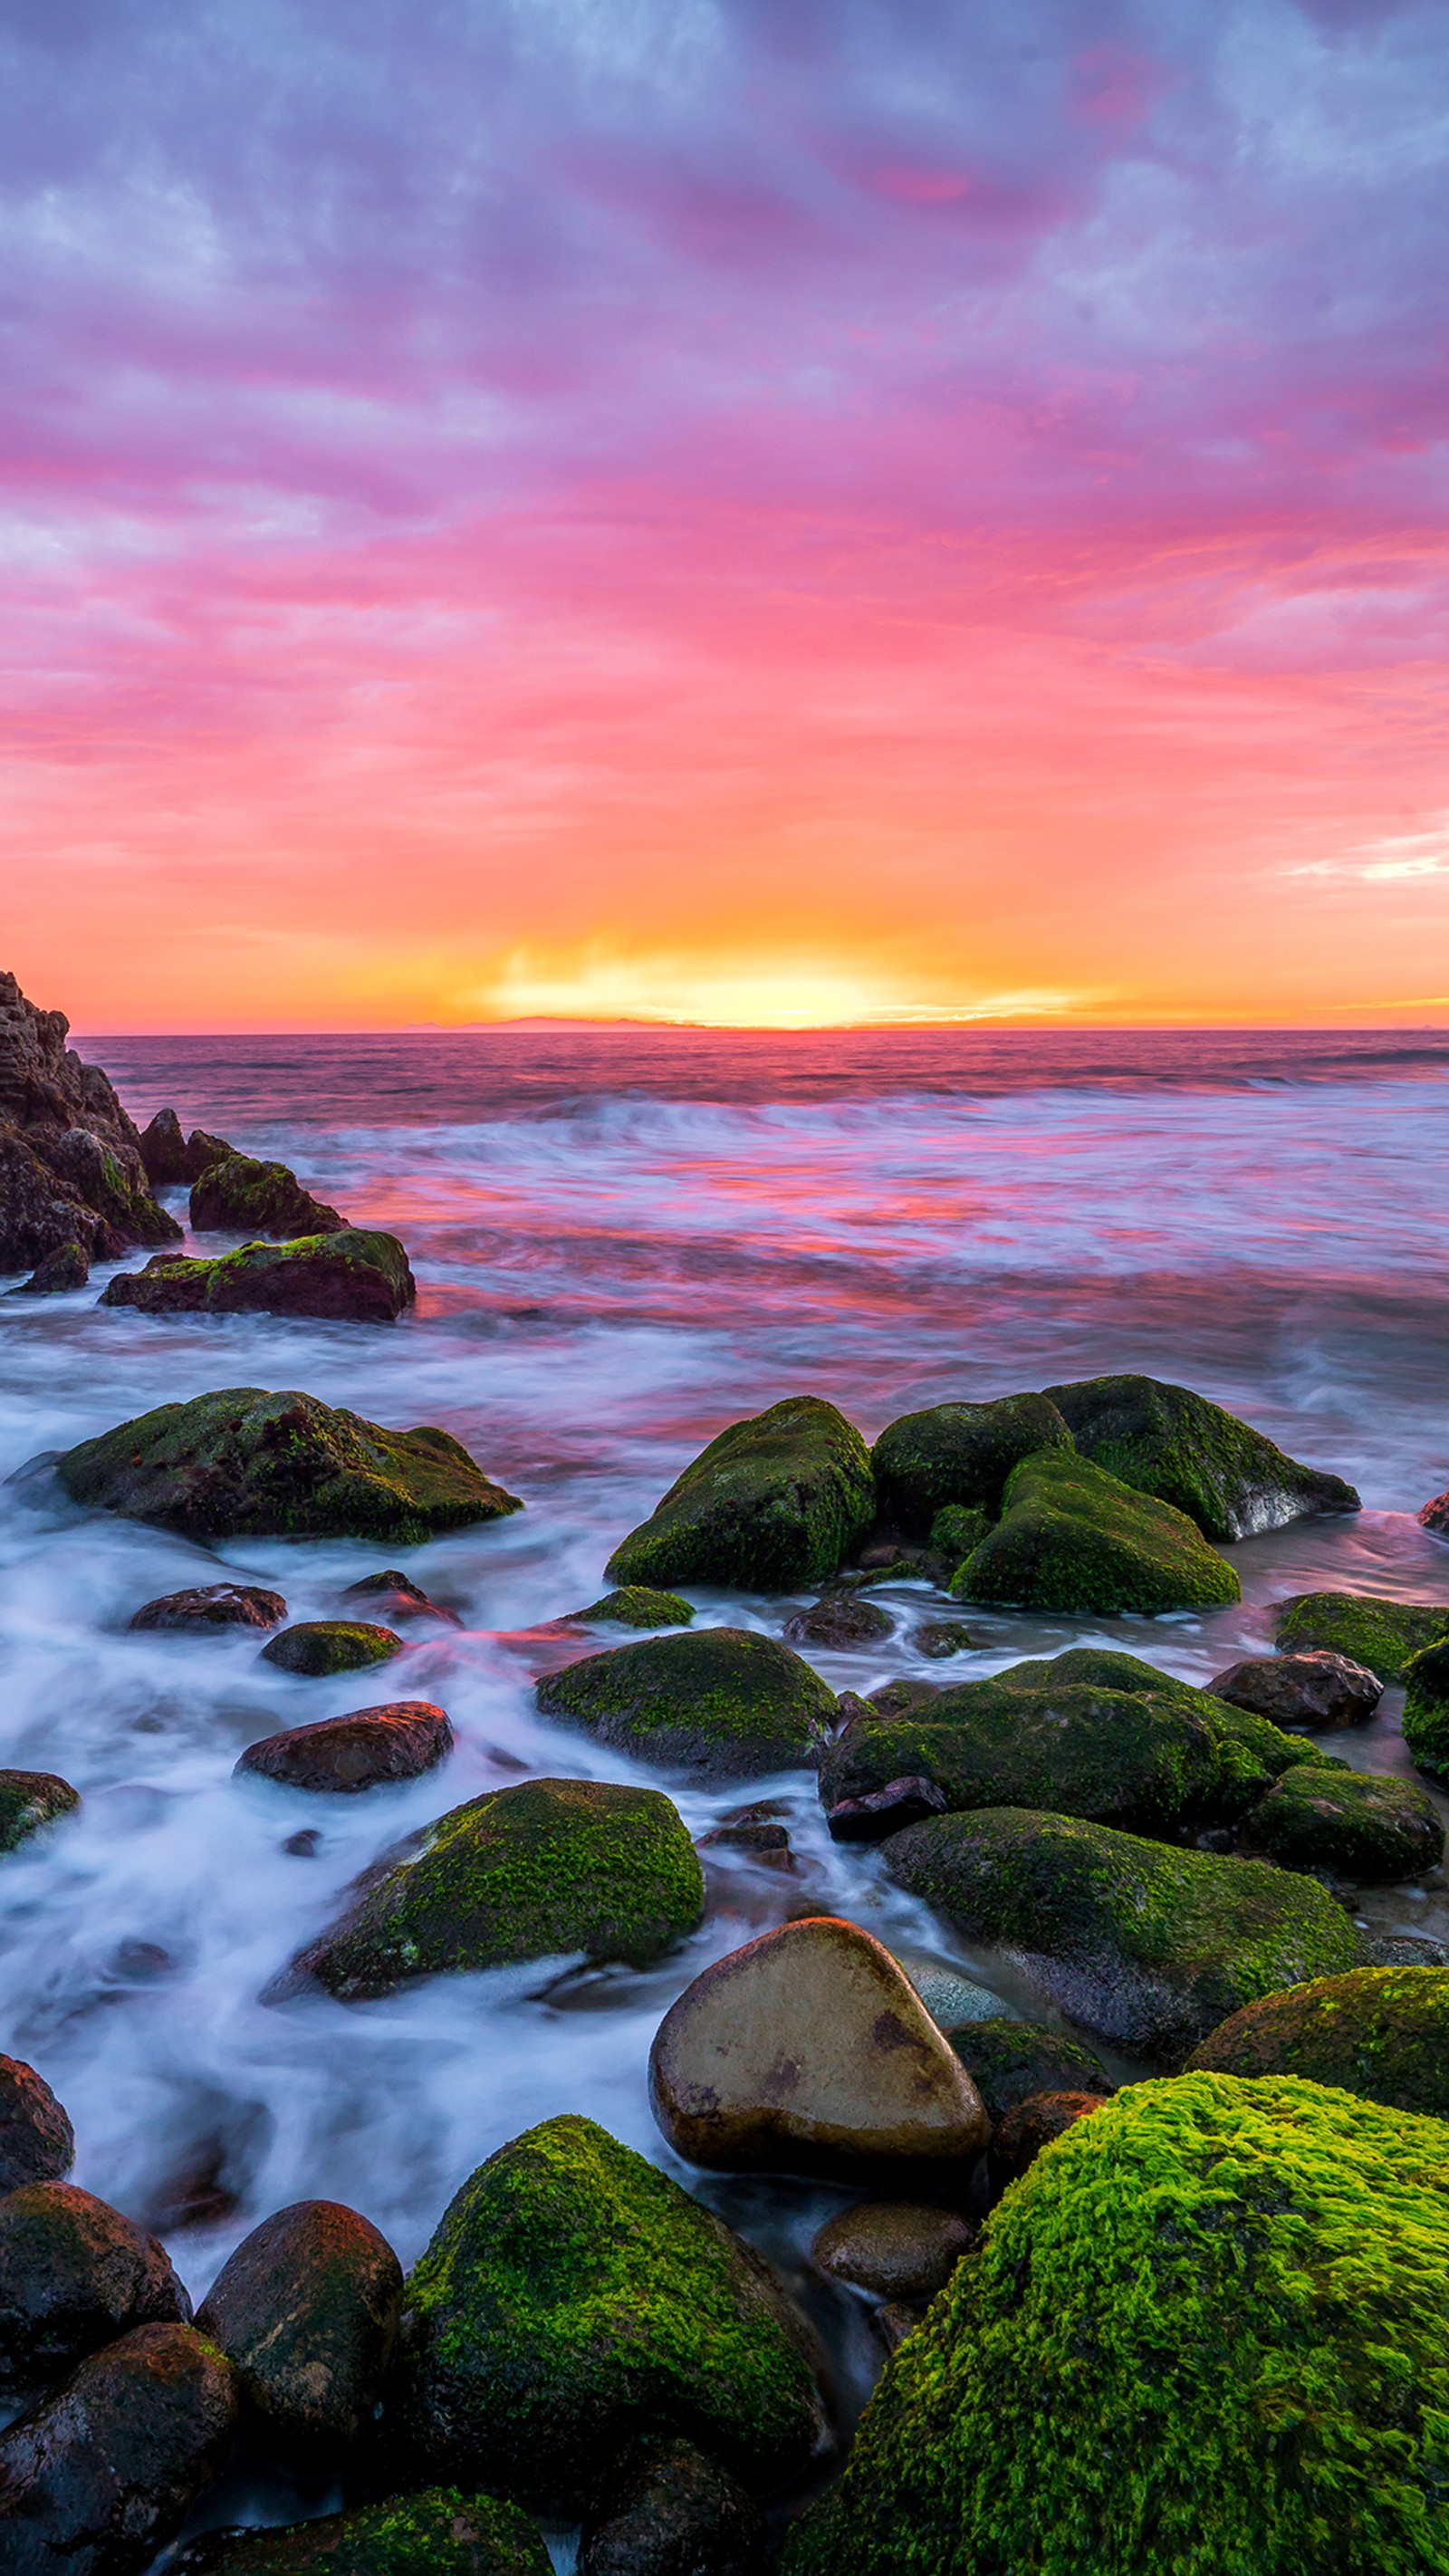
766,511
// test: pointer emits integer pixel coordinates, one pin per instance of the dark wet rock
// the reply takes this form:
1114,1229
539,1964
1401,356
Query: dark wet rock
306,2312
1074,1539
895,2249
40,1212
70,1159
942,1637
897,1698
1369,1630
318,1646
768,1842
1356,1824
392,1597
809,2051
543,1870
722,1702
305,1845
206,2181
839,1621
896,2319
244,1462
30,1799
1009,2061
883,1565
239,1195
98,2477
344,1755
74,2274
436,2533
1031,2125
1097,2373
1381,2032
867,1817
1306,1691
163,1150
1165,1440
634,1605
956,1533
674,2512
1435,1515
1406,1950
1426,1709
574,2301
950,1997
59,1274
342,1277
210,1606
1140,1944
774,1502
37,2143
959,1454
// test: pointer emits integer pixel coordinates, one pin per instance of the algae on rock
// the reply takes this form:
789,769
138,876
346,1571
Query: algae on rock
1074,1539
1380,2032
1356,1823
436,2533
238,1194
1363,1626
345,1276
1165,1440
1426,1708
724,1702
773,1503
958,1455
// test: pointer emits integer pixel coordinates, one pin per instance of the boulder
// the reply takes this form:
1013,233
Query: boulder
341,1277
1028,2126
1011,2061
1207,2332
40,1213
210,1606
246,1463
809,2051
1305,1691
437,2533
895,2249
1426,1709
1368,1630
342,1756
766,1842
940,1638
543,1870
59,1274
237,1194
99,2476
841,1622
1165,1440
895,1699
393,1597
74,2274
1379,2032
306,2312
773,1503
1074,1539
30,1799
574,2301
673,2512
70,1159
723,1703
958,1454
37,2143
318,1646
1356,1824
1435,1516
633,1605
163,1150
956,1533
1140,1944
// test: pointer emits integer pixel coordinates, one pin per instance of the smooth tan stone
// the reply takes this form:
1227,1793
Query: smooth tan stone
897,2249
809,2051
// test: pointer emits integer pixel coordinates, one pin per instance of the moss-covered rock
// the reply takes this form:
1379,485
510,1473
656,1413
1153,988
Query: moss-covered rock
723,1702
101,2474
37,2143
1012,2061
1167,1441
437,2533
30,1799
344,1277
1426,1708
1369,1630
841,1622
633,1605
306,2311
958,1454
1356,1824
574,2299
1381,2032
956,1533
318,1646
239,1195
1073,1538
547,1869
1207,2333
1139,1943
773,1503
74,2274
246,1463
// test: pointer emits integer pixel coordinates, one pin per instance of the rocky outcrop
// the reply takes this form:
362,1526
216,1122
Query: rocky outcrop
71,1170
1351,1824
1305,1692
345,1277
171,1158
958,1455
634,1605
1166,1440
319,1646
62,1271
436,2533
342,1756
306,2311
394,1599
1426,1708
774,1502
237,1194
1073,1538
211,1608
724,1703
1379,2032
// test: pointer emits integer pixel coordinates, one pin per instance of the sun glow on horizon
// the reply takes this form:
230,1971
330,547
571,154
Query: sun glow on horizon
741,993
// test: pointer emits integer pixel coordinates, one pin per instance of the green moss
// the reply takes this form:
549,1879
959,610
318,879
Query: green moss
772,1504
573,2298
239,1195
633,1605
956,1533
1009,2061
1381,1634
1356,1823
1206,2333
438,2533
546,1869
1167,1441
1073,1539
721,1700
1381,2032
348,1277
1426,1708
246,1463
30,1799
1138,1942
317,1646
958,1455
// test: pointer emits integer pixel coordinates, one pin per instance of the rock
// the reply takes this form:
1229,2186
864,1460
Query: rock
437,2533
1426,1708
163,1150
949,1997
942,1637
345,1755
574,2301
809,2051
1031,2125
1355,1823
766,1841
841,1621
1115,2383
723,1703
906,1692
245,1463
1012,2061
70,1159
1140,1944
1379,2032
1381,1634
773,1503
306,2312
30,1799
869,1815
349,1277
1435,1516
318,1646
239,1195
895,2249
543,1870
633,1605
1165,1440
958,1454
1406,1950
98,2476
74,2274
674,2513
895,2320
1074,1539
37,2143
393,1597
209,1606
1305,1691
956,1533
62,1271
